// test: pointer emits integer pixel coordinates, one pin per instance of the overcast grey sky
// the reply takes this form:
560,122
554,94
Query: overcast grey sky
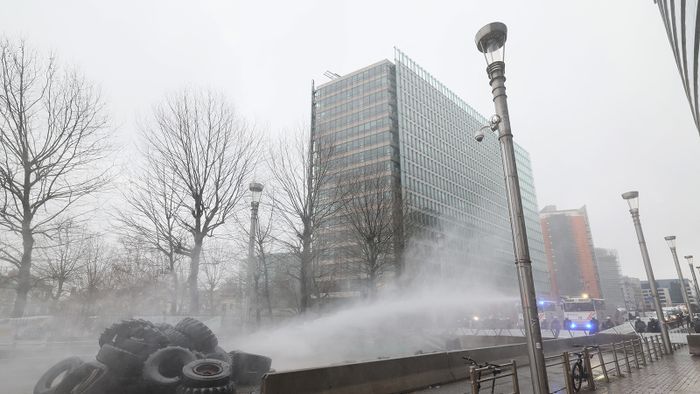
594,92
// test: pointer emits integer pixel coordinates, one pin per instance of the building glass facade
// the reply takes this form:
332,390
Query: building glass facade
610,278
356,115
532,221
396,120
571,259
456,185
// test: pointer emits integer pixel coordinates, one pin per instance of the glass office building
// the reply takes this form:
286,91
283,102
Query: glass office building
355,122
396,120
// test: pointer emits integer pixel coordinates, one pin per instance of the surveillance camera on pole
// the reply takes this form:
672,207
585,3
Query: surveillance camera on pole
493,126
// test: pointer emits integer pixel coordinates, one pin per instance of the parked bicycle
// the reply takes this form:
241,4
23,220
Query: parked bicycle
493,369
579,373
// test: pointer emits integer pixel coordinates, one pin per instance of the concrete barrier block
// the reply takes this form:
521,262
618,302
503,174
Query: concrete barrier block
382,376
399,375
492,354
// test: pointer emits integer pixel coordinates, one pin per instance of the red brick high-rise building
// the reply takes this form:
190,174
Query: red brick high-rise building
569,250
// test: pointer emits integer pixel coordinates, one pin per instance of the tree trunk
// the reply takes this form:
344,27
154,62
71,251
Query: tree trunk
54,298
212,311
173,296
92,295
372,269
24,276
304,272
194,274
372,284
266,276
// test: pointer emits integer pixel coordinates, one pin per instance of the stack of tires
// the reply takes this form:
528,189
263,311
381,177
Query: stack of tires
139,357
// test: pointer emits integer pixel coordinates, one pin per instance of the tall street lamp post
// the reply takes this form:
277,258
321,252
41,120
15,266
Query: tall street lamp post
490,40
633,201
253,309
689,259
671,240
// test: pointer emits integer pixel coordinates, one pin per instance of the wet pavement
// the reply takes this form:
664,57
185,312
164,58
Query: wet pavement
677,373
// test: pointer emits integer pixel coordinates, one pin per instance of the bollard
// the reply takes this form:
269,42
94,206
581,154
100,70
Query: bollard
589,369
617,362
567,373
602,365
516,385
627,360
474,379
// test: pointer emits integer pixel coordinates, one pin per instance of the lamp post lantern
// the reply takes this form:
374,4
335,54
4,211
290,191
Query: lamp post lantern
490,40
689,259
671,240
633,202
253,309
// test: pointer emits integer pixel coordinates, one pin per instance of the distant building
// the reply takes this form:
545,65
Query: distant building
681,23
395,120
610,277
568,245
669,293
632,293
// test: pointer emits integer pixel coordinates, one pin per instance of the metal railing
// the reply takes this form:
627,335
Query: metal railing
599,363
604,361
563,361
491,374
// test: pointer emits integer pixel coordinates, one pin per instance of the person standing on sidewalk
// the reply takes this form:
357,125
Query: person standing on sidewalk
639,325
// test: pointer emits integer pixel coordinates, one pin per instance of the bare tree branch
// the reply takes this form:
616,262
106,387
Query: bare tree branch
301,174
52,137
200,155
370,219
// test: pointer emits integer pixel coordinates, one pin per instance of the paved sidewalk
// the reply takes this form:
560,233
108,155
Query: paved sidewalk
679,373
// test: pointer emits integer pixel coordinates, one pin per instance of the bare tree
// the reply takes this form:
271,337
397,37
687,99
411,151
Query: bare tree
370,216
94,272
301,171
60,261
214,262
153,205
131,274
205,153
51,138
264,240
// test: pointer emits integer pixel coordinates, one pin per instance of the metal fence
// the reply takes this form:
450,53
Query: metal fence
616,359
491,373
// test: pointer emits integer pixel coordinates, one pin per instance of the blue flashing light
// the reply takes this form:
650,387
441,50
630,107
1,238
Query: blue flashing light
573,325
588,326
540,303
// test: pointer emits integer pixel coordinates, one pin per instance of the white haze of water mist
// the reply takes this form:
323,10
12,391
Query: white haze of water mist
394,325
402,320
593,88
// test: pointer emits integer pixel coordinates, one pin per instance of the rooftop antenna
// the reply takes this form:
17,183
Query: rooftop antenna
331,75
